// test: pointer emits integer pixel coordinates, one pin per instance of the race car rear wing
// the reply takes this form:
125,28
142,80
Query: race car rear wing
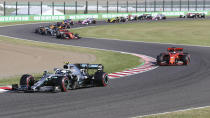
90,66
175,49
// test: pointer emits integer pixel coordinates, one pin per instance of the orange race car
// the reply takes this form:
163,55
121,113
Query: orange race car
174,56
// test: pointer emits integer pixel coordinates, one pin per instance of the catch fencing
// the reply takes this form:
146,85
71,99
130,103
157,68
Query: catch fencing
94,6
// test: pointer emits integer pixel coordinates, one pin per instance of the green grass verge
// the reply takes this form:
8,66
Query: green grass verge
195,32
112,61
196,113
24,22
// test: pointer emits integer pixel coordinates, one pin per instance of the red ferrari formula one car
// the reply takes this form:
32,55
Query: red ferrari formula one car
174,56
66,34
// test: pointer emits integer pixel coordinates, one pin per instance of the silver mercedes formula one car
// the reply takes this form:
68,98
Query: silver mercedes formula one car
72,76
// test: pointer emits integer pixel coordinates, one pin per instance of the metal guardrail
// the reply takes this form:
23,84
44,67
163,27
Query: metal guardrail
86,7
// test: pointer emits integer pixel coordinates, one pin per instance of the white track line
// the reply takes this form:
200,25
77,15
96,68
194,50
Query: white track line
192,108
4,91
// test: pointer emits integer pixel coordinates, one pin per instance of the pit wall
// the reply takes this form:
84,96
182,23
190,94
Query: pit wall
98,16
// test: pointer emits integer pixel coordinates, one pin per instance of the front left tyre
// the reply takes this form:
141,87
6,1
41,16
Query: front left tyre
64,84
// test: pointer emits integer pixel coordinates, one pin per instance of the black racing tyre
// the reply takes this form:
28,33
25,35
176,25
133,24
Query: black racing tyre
37,30
58,34
101,79
64,84
45,32
72,23
74,85
27,80
40,31
186,59
77,36
94,22
65,36
160,59
69,26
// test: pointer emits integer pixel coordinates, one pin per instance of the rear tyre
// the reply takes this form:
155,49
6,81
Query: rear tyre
64,84
27,80
101,79
58,34
94,22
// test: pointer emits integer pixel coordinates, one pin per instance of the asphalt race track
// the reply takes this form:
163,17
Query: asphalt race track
164,89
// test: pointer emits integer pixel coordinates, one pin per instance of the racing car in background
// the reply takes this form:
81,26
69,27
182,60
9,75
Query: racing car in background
72,76
193,15
87,21
69,21
51,29
42,30
117,20
113,20
145,17
159,17
47,30
173,56
66,34
63,25
132,17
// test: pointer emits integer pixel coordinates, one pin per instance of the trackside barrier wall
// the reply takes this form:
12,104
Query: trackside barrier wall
98,16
